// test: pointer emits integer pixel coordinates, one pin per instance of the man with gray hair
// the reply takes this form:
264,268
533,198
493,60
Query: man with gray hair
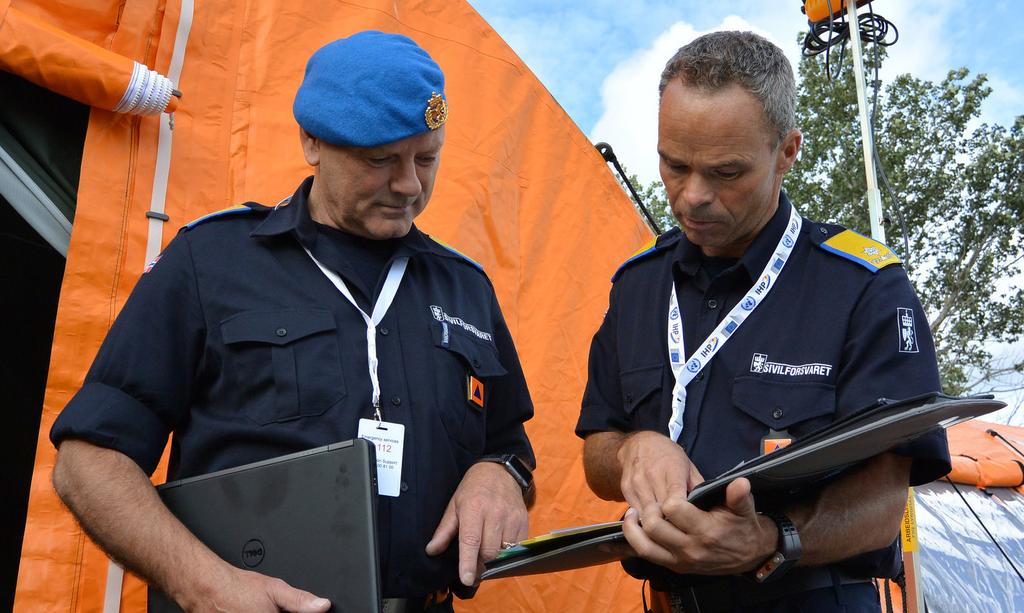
745,330
262,331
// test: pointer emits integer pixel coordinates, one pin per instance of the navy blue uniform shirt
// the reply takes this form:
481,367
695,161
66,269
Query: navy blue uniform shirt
829,310
238,344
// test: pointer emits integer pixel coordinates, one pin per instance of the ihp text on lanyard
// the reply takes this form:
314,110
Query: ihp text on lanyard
728,326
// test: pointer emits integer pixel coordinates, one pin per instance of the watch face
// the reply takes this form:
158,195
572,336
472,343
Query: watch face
520,467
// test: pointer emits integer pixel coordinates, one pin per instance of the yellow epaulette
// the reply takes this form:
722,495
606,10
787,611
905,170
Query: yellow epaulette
231,210
858,248
650,247
448,247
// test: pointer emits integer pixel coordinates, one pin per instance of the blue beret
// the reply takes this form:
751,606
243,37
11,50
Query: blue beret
370,89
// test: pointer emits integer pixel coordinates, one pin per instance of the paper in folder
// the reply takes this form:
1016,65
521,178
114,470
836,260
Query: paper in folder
560,550
866,433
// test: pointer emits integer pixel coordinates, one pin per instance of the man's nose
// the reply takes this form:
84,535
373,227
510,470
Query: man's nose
405,181
696,191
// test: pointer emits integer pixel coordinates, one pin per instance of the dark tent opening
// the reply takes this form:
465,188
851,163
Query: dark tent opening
41,140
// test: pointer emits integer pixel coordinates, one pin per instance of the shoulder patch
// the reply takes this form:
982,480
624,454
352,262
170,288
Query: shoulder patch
649,248
858,248
232,210
451,249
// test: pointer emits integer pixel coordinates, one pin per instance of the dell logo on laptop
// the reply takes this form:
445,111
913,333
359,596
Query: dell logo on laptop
252,553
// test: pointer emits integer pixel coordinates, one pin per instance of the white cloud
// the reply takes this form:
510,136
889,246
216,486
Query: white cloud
923,49
629,95
1004,104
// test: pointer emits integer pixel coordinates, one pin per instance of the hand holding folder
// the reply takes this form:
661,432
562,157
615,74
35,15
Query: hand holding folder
864,434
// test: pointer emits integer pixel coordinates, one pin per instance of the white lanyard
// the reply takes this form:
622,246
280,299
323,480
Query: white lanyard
380,308
718,337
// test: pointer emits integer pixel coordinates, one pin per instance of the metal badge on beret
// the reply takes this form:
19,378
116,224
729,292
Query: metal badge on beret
437,111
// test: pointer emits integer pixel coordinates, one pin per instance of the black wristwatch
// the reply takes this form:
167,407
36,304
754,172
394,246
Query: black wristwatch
515,467
787,552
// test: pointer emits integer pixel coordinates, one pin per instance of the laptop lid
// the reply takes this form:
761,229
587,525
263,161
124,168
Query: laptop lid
308,518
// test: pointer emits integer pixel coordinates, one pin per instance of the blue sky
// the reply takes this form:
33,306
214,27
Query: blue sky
600,58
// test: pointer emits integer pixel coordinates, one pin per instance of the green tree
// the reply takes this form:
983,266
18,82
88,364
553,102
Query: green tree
954,204
654,198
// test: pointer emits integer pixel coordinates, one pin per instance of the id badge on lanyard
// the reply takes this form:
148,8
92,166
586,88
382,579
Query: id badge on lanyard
387,437
686,369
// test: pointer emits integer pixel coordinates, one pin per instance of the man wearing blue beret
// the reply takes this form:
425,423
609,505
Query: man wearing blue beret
262,331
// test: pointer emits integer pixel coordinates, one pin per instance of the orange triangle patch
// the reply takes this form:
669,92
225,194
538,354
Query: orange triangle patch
769,445
475,391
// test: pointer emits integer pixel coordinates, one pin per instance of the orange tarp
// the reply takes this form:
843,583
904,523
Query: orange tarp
520,190
982,459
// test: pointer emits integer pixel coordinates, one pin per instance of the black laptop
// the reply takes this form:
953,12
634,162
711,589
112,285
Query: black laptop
308,518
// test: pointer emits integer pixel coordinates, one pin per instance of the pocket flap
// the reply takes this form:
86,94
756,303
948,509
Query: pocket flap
780,404
481,357
639,383
275,327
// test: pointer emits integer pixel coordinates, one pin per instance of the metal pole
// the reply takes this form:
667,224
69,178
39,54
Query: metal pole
874,196
878,233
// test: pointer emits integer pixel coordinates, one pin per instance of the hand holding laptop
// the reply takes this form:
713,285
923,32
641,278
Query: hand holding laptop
267,535
242,590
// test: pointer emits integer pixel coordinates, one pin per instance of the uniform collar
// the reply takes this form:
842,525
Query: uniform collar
756,256
292,215
763,247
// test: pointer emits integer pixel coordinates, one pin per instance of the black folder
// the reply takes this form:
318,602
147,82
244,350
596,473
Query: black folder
875,429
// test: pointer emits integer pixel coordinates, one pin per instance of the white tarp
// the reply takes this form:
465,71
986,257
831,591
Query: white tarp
962,566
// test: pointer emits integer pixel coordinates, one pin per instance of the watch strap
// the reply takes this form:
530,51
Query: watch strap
787,551
515,467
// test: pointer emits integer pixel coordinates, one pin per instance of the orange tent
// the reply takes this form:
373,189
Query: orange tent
520,190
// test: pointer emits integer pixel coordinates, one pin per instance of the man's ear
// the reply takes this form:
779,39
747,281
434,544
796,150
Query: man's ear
788,150
310,147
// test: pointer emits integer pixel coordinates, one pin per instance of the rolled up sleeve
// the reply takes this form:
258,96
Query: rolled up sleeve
140,385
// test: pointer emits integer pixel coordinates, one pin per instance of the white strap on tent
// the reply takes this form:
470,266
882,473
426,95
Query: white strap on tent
115,574
112,593
163,149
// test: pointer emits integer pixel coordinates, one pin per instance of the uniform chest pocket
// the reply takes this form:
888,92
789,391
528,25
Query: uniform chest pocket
465,370
286,361
641,396
799,407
